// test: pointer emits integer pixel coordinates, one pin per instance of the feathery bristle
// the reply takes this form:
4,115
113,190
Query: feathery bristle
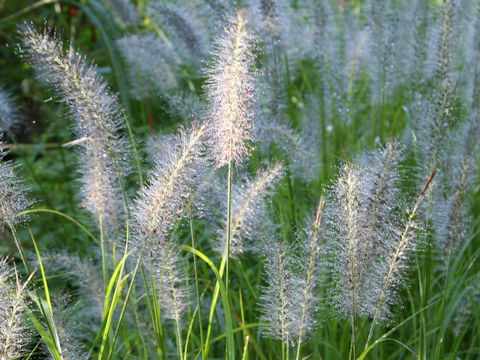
69,324
271,19
171,278
393,263
452,221
232,93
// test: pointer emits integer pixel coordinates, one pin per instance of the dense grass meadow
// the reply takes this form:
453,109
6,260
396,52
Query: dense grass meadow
239,179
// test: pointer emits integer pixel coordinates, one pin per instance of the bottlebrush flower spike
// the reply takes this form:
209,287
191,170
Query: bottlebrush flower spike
345,207
173,289
248,209
163,199
14,333
84,276
71,327
151,64
390,268
281,296
362,220
9,114
184,31
453,220
124,10
231,92
161,203
13,194
98,118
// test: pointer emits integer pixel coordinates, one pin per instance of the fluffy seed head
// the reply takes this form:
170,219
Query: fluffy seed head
69,324
161,203
312,250
184,33
452,221
280,296
362,221
163,200
83,274
13,194
98,121
14,333
389,269
231,92
248,210
9,114
171,280
124,10
151,64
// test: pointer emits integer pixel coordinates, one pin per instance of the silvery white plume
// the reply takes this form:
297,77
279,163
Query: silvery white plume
104,158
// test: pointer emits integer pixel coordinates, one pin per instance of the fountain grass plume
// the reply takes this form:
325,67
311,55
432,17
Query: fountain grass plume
393,267
453,219
13,193
185,34
362,224
344,212
10,117
161,203
152,64
124,11
231,92
371,242
163,200
83,274
14,331
249,218
98,122
280,296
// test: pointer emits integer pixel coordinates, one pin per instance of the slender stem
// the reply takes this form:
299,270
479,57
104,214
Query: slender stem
245,348
53,331
124,307
229,227
229,231
134,146
309,284
19,247
179,337
216,292
444,297
104,259
353,344
192,234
